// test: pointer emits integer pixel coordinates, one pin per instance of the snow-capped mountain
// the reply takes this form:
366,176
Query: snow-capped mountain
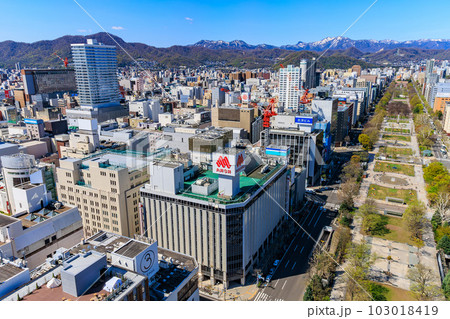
236,44
333,43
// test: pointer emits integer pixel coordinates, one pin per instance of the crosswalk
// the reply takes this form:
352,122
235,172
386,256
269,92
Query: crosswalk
260,296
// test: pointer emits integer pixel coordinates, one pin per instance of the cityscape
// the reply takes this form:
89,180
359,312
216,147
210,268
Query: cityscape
225,171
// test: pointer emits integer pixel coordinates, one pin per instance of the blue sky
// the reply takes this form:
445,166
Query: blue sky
165,23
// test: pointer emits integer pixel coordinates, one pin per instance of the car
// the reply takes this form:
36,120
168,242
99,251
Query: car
318,191
327,188
276,262
268,278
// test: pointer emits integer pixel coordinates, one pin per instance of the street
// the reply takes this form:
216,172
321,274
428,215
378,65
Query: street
290,279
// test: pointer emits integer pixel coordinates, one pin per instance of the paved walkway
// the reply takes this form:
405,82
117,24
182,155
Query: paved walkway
393,270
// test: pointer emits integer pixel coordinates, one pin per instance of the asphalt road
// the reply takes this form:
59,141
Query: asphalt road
290,279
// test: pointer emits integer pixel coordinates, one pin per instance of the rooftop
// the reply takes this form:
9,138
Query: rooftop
8,271
132,249
6,220
249,184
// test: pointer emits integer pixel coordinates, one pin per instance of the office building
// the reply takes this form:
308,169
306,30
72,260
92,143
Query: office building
35,128
305,142
224,216
110,267
238,117
105,188
39,230
289,87
48,81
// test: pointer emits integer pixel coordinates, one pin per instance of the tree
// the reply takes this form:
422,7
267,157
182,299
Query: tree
374,224
442,204
321,264
365,141
347,140
359,261
444,244
422,283
446,286
414,216
432,170
308,296
436,220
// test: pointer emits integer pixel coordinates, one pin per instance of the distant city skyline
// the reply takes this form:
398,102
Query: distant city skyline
167,23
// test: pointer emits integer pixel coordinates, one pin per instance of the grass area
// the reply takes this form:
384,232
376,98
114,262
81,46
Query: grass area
397,294
397,231
397,130
404,169
405,138
395,151
381,192
395,121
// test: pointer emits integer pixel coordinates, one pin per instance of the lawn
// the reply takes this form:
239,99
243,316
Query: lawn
397,294
397,231
394,151
380,192
395,121
404,169
397,130
405,138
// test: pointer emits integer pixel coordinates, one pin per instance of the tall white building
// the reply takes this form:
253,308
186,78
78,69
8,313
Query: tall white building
96,73
289,84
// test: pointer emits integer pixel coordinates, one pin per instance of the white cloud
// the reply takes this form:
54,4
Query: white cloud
117,28
190,20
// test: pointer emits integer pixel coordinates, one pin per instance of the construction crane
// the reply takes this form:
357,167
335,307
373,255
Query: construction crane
268,112
65,60
304,99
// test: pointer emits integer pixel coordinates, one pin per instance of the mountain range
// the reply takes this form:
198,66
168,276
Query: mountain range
334,43
344,52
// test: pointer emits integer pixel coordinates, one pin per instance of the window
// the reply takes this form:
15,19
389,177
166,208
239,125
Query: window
47,241
53,237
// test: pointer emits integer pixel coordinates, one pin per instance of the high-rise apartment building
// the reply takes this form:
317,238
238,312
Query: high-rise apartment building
308,73
96,73
289,84
105,187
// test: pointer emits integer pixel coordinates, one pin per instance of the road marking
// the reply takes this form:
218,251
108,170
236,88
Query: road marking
313,216
286,264
318,219
293,266
284,284
276,283
302,249
295,247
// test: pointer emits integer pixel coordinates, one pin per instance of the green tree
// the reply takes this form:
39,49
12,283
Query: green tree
444,244
414,216
375,224
436,220
359,261
422,283
432,170
446,286
365,141
308,296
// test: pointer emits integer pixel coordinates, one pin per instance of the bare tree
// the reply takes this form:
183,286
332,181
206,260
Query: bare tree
422,283
442,205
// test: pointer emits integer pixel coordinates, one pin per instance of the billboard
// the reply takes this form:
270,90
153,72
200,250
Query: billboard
245,97
228,164
277,151
304,120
